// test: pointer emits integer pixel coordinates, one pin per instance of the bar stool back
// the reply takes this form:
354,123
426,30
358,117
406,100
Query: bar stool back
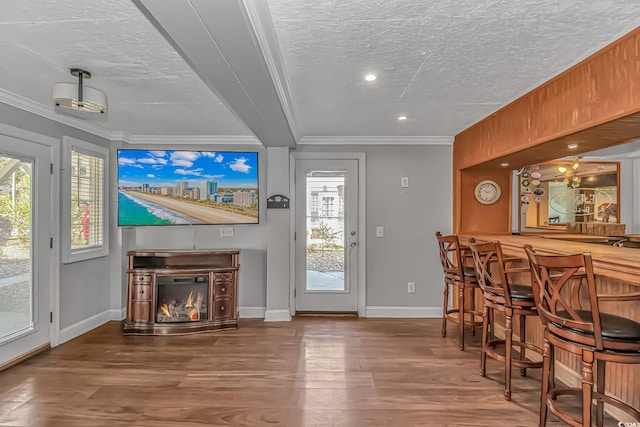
579,327
452,258
500,295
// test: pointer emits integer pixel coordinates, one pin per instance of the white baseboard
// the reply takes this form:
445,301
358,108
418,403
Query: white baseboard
252,312
84,326
282,315
117,315
404,312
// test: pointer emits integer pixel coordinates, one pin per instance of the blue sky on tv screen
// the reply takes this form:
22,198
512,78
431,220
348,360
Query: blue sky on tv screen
165,168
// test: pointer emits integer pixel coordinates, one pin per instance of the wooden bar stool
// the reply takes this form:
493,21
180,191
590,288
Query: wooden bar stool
508,298
452,258
578,326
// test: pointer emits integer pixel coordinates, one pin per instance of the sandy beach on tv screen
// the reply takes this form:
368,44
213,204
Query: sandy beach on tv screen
203,213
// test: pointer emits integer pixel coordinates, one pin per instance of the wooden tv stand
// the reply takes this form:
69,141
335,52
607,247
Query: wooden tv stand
172,292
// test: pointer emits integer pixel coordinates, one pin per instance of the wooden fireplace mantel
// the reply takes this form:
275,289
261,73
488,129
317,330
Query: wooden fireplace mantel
218,268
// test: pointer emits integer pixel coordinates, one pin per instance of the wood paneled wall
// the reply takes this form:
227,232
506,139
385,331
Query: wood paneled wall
595,103
474,216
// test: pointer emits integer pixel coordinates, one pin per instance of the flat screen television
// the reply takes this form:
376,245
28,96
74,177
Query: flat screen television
174,187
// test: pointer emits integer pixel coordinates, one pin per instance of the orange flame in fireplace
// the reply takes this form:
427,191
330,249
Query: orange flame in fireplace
189,302
194,313
165,310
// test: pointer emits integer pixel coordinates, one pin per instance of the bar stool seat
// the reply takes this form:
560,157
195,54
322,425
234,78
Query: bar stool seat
524,292
511,299
595,337
452,258
614,328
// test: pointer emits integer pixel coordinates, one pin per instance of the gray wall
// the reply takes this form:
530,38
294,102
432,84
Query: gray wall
406,253
84,286
251,239
410,217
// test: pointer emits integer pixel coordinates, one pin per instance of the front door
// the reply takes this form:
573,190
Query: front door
25,262
326,235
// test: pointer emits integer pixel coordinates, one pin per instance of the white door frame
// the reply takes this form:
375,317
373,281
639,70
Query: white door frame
362,243
54,220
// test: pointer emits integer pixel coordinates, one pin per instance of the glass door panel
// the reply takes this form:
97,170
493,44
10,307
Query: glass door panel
325,231
16,260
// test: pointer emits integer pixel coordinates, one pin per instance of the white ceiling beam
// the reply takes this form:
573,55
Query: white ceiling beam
218,40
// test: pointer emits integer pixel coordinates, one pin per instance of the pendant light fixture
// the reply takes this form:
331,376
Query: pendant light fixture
78,97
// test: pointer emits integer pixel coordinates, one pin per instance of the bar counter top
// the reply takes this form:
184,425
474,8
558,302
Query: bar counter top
609,261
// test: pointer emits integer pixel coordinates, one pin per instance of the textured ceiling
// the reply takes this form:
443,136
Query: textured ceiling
445,64
151,89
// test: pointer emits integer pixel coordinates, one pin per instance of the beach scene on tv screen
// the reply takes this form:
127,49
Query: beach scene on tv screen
163,187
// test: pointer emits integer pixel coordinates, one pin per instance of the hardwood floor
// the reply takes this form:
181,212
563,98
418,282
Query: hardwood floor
307,372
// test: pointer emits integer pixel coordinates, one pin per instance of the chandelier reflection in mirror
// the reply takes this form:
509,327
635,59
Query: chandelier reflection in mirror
557,193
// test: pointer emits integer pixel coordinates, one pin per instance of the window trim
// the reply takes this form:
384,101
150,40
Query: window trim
70,255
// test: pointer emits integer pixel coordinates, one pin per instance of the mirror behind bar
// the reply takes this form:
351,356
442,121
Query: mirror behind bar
558,194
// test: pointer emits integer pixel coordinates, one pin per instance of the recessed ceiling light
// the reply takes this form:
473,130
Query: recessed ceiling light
370,77
504,164
572,146
402,118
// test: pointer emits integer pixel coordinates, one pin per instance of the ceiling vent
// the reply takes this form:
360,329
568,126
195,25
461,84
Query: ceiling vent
78,97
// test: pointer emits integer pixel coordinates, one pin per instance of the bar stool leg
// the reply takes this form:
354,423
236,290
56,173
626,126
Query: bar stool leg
461,315
600,382
587,386
445,307
547,363
523,339
473,310
508,335
552,369
485,339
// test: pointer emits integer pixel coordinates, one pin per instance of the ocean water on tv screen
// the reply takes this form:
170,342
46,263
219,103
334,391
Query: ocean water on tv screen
138,212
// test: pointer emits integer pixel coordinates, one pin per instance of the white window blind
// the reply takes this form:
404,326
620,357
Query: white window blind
87,189
86,216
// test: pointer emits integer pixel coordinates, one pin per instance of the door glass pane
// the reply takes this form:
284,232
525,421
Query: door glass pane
325,231
16,290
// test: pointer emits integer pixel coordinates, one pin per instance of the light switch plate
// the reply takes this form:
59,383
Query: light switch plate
404,182
379,231
226,231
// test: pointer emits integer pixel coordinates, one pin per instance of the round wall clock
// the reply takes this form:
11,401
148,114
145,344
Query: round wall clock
487,192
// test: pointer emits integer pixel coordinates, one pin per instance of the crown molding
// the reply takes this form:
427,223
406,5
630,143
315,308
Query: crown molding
47,112
194,139
120,136
262,23
376,140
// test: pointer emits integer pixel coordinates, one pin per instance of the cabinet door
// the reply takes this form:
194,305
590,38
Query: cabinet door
223,309
141,311
141,296
223,288
141,293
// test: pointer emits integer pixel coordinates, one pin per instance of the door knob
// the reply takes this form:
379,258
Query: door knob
353,244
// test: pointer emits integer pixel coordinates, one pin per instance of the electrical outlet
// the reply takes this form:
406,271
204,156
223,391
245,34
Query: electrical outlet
404,182
226,231
379,231
411,287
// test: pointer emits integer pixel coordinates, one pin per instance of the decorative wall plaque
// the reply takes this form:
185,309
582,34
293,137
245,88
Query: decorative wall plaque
278,201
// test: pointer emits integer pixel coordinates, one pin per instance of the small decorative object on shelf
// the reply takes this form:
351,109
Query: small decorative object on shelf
278,201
